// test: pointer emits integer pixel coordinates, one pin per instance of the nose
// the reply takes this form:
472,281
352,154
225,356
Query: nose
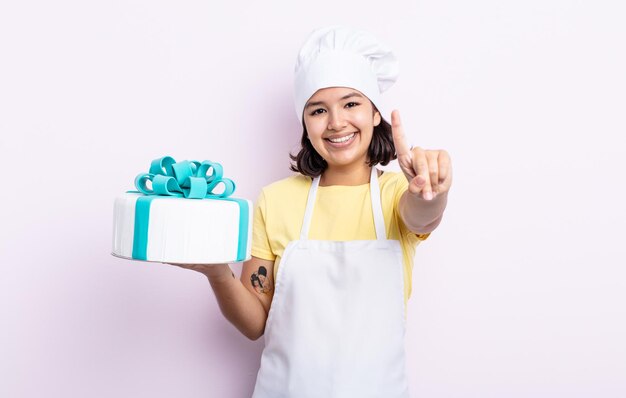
336,121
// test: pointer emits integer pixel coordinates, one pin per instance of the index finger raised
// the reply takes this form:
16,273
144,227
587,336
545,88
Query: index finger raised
399,138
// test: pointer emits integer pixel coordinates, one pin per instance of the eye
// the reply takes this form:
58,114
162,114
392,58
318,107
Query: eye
317,111
352,104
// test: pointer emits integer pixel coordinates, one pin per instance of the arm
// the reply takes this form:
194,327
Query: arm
245,302
238,301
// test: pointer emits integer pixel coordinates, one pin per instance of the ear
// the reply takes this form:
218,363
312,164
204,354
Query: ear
377,118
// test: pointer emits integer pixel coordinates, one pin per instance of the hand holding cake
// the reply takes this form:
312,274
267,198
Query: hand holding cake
208,270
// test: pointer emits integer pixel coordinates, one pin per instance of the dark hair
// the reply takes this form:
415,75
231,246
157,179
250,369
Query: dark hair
310,163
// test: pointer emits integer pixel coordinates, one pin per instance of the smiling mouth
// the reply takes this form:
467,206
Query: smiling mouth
341,140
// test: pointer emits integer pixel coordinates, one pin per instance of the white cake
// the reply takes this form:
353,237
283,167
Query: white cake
175,229
178,230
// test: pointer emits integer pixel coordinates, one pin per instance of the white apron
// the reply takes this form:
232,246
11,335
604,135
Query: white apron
336,324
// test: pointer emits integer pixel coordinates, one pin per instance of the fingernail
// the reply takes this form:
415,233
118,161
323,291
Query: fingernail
428,195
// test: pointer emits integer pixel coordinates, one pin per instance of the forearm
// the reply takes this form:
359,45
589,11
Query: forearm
237,303
419,215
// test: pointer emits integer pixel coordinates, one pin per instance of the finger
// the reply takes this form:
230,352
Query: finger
445,170
399,138
403,151
416,185
420,165
433,170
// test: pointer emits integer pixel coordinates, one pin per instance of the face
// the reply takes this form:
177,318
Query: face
340,122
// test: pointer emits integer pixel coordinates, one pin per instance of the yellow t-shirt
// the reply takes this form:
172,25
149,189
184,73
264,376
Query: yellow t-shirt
341,213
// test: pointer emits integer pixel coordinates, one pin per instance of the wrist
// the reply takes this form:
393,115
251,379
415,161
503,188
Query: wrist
421,215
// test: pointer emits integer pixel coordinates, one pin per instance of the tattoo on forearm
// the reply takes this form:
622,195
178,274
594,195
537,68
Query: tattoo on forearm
260,282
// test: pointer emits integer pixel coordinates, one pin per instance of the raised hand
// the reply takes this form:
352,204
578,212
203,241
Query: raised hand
429,172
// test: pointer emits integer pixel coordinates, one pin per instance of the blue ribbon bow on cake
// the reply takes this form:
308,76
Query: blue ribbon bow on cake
189,179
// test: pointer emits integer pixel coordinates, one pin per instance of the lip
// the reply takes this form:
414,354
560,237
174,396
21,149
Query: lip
341,144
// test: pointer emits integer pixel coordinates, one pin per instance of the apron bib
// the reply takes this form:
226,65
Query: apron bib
335,328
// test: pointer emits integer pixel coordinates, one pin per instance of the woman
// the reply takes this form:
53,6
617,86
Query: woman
336,241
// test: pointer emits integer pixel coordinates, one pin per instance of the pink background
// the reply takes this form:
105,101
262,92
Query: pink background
519,293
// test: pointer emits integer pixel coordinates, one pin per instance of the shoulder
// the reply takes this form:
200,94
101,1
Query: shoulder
392,177
296,182
393,182
285,193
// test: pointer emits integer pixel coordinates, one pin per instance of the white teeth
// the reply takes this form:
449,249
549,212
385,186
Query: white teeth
342,139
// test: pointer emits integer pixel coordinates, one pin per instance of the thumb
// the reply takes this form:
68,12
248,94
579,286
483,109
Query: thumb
417,184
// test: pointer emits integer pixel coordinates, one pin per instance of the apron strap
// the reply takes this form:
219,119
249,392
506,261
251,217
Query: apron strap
308,213
377,210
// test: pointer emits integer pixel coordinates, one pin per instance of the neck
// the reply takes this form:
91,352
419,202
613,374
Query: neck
358,175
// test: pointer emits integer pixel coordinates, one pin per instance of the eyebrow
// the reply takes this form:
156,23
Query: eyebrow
353,94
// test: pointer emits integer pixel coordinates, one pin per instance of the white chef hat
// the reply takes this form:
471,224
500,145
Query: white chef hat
339,56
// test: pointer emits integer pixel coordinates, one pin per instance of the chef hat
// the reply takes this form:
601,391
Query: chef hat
338,56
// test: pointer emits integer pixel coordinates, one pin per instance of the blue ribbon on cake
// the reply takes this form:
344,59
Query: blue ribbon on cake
188,179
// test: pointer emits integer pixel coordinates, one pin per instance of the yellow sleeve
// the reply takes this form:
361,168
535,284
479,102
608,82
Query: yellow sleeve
401,187
260,243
